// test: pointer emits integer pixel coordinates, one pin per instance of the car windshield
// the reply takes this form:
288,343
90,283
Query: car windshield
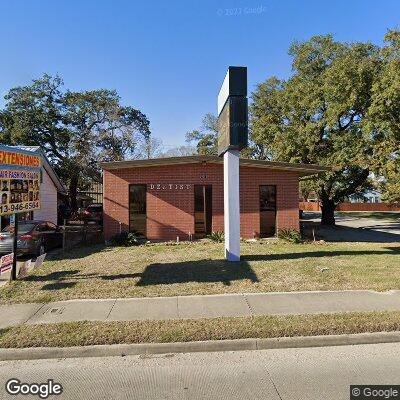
22,227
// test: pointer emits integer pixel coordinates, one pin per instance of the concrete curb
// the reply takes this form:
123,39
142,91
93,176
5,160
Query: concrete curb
121,350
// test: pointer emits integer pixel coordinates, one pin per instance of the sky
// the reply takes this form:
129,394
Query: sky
168,58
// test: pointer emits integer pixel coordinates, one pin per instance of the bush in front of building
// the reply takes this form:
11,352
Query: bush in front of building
217,236
289,235
125,239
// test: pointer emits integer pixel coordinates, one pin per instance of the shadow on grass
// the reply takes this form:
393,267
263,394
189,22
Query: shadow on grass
394,251
196,271
79,251
58,285
120,276
200,271
225,272
53,276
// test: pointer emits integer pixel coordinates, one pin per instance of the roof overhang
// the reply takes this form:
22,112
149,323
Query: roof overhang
301,169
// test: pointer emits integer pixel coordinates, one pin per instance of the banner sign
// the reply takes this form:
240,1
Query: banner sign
17,158
6,262
19,191
19,181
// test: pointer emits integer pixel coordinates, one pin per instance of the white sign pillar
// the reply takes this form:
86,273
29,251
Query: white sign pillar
232,137
231,205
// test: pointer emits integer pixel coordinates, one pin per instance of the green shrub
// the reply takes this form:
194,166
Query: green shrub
217,236
290,235
125,239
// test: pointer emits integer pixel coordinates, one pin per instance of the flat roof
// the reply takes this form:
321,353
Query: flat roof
302,169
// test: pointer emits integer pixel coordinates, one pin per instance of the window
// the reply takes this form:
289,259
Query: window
22,228
137,209
267,198
202,210
41,227
267,210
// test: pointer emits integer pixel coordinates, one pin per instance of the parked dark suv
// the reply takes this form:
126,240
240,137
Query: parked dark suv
94,212
34,238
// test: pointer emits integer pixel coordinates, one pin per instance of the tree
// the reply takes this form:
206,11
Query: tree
180,151
383,118
315,117
205,138
147,148
75,129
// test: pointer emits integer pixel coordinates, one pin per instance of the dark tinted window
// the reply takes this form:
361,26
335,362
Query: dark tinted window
198,198
42,227
267,210
267,198
22,228
137,209
95,208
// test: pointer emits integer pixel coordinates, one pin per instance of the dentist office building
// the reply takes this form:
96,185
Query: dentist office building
166,198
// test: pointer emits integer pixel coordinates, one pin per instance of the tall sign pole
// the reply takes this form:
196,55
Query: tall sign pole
15,249
232,137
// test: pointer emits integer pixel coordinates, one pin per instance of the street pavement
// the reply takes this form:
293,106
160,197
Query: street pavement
226,305
324,373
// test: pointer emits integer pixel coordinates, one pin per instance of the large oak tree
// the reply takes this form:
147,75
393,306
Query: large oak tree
316,116
383,119
75,129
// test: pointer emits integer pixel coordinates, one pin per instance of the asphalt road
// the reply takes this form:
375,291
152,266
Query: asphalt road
311,373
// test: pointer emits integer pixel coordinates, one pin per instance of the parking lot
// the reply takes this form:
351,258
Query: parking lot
355,227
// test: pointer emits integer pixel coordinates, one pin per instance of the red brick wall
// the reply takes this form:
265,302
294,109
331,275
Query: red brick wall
170,213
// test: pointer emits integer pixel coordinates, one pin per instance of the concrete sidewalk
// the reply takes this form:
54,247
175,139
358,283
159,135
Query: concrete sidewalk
226,305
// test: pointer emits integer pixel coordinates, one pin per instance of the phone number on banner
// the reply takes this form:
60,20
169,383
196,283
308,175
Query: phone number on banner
19,207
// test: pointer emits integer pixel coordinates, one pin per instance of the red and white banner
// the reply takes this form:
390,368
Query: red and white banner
6,262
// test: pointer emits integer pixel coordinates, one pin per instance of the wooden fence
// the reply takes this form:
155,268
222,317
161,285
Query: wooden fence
371,207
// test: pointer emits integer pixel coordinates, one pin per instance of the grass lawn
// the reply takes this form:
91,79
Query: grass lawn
198,268
91,333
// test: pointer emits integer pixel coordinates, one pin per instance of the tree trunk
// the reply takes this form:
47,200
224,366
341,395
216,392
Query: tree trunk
328,212
73,189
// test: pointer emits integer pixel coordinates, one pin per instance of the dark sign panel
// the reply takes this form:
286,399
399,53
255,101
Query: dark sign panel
232,111
235,84
233,125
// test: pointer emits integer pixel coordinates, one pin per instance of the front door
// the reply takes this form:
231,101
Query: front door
137,209
202,210
267,210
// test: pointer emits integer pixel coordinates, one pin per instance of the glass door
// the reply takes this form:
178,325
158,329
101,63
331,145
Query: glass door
267,210
137,209
202,210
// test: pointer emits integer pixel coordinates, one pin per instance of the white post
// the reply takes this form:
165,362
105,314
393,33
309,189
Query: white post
231,205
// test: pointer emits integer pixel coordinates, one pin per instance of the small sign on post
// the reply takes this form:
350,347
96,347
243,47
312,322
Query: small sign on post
232,137
6,263
19,188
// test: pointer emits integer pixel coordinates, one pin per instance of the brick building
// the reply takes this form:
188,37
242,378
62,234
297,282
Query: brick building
181,196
